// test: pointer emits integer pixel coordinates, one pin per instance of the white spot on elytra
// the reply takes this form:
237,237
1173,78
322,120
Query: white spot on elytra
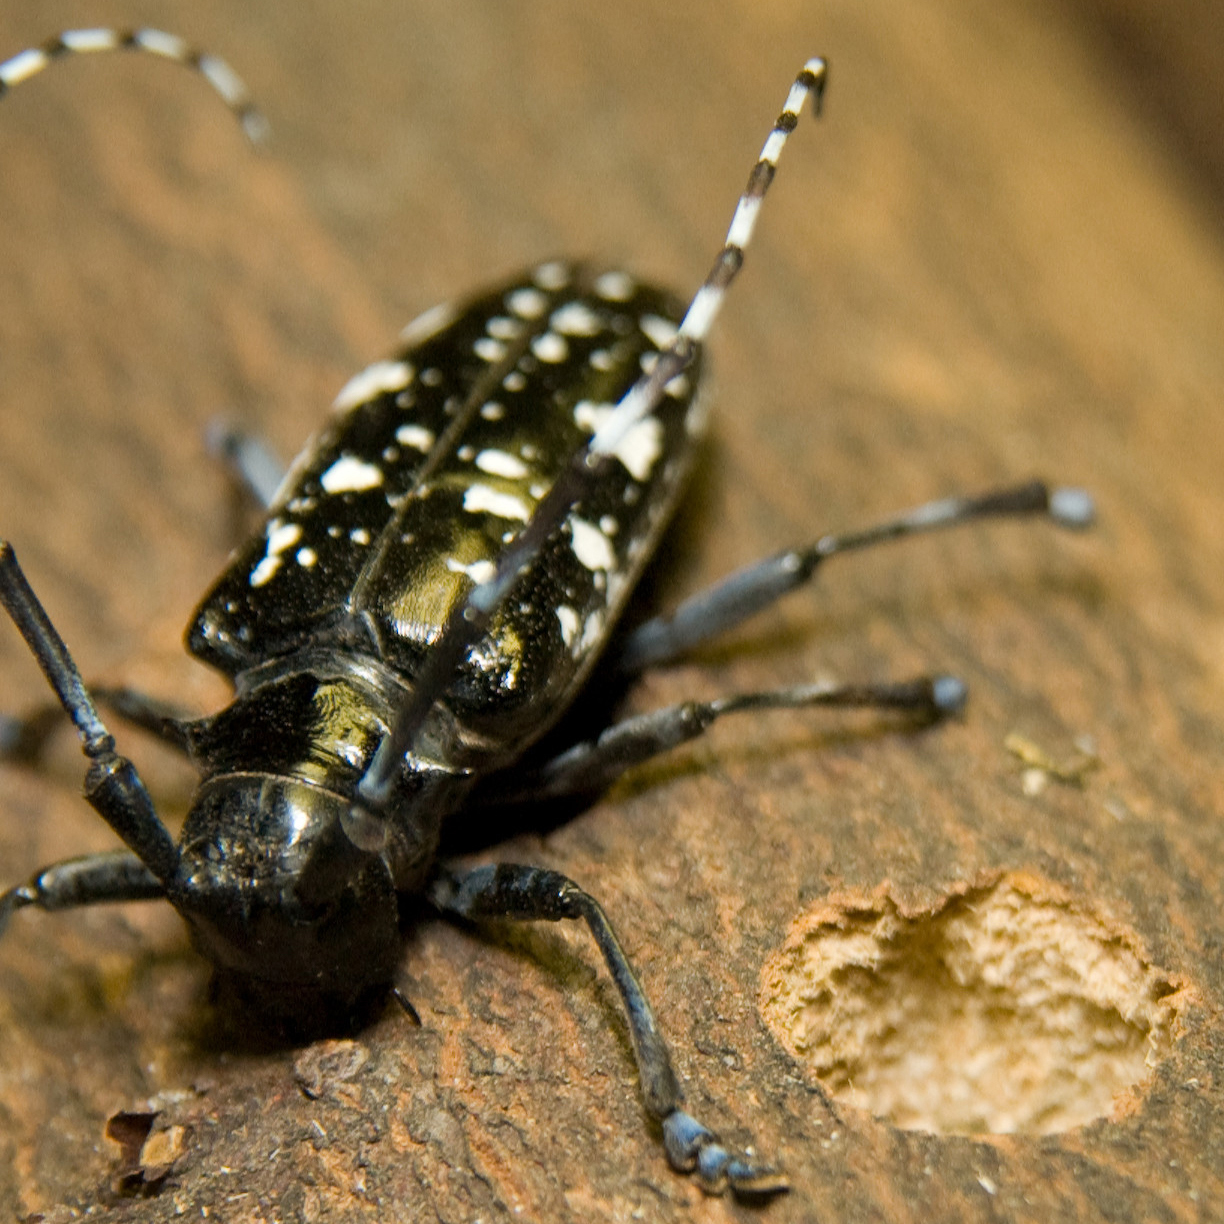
431,377
659,330
351,475
488,349
514,381
415,436
359,535
550,347
638,450
592,631
306,557
480,498
477,571
696,417
552,276
499,463
372,381
493,411
591,546
502,328
527,303
264,570
608,525
281,535
575,319
601,359
614,286
569,623
428,324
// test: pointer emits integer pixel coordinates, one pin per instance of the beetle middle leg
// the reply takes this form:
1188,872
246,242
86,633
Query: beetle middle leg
23,737
593,765
509,891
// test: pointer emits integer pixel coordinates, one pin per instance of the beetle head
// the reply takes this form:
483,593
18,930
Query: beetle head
289,890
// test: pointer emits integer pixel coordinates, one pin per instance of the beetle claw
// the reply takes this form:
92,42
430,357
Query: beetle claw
692,1148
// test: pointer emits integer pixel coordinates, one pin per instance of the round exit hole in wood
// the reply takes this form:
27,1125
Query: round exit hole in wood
1008,1007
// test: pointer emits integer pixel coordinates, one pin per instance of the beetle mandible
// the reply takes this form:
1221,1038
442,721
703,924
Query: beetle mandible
435,578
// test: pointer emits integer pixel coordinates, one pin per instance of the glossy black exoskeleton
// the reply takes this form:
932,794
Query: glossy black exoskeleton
435,578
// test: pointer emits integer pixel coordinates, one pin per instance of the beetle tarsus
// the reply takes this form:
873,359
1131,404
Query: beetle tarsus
692,1148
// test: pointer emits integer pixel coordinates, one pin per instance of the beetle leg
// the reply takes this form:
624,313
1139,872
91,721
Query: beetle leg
117,875
746,592
250,460
24,736
593,765
508,891
168,722
113,787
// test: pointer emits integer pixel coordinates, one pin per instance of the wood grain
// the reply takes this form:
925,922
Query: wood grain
983,264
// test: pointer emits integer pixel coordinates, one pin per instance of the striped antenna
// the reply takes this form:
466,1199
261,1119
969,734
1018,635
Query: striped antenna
470,620
227,83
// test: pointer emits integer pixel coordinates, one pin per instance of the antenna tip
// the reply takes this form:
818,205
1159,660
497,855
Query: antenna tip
816,70
1070,507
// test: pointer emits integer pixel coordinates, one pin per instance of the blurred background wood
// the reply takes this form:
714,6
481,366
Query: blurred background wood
991,259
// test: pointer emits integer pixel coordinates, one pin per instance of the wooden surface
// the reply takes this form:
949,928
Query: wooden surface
983,264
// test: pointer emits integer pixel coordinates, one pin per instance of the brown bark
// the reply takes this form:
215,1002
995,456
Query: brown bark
983,264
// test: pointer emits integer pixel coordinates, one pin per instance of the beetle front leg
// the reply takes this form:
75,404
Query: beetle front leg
98,878
113,787
508,891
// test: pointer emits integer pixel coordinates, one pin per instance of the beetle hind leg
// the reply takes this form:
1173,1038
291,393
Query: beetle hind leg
508,891
727,603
